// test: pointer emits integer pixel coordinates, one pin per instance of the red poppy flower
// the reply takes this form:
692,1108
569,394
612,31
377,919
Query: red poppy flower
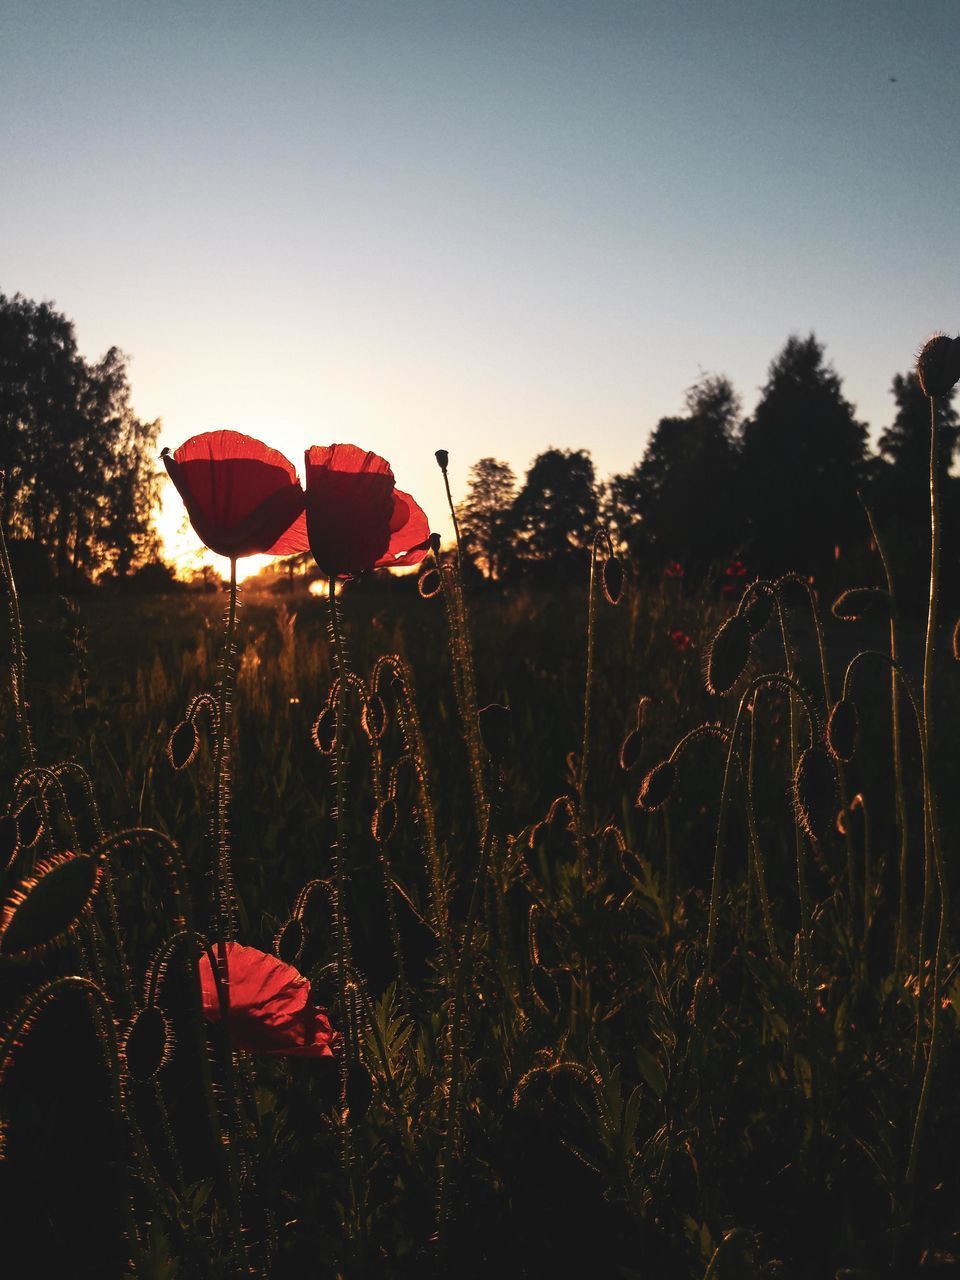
681,640
356,516
674,569
242,497
268,1006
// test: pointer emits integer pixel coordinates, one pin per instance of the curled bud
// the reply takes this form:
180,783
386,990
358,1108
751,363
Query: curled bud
429,583
183,744
288,944
373,717
325,731
496,729
815,791
657,787
843,728
612,578
938,365
630,750
43,909
758,611
852,605
148,1043
384,822
728,655
443,459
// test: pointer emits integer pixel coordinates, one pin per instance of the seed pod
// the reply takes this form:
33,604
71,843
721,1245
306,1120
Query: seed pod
657,787
852,605
384,822
359,1091
843,729
29,822
183,744
373,717
728,655
630,750
288,944
759,611
612,578
938,365
443,459
815,791
8,838
435,543
148,1043
43,909
325,731
429,583
496,729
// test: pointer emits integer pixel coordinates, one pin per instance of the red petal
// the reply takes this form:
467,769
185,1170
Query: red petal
242,496
409,532
349,504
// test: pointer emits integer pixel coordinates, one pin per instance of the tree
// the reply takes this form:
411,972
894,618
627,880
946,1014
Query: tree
484,515
803,458
680,502
79,473
555,514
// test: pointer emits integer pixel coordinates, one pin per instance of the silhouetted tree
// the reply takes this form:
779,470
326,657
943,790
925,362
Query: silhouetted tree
680,502
803,457
79,468
555,514
484,515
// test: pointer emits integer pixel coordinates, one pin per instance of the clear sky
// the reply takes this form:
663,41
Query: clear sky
489,226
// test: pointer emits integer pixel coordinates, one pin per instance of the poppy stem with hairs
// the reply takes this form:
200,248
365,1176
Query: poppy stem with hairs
221,783
340,660
19,666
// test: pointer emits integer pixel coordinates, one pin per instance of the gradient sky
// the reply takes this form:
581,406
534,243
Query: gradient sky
486,226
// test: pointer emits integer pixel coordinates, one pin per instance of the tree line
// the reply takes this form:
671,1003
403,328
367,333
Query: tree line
784,488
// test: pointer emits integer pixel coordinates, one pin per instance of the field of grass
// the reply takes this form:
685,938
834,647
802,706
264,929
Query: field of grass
581,1034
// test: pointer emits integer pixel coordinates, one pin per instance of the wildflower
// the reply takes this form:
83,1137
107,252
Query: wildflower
673,570
356,516
681,641
266,1006
243,498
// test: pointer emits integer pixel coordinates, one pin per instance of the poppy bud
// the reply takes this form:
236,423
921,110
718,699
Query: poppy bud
758,611
325,731
29,822
8,838
815,791
938,365
384,822
183,744
792,591
843,728
148,1043
443,458
657,787
429,583
43,909
288,944
359,1091
496,729
852,605
373,717
630,750
612,579
728,654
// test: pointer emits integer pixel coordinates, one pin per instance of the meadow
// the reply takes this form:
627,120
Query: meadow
649,976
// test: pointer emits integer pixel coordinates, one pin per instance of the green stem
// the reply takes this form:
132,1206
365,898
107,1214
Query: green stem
587,697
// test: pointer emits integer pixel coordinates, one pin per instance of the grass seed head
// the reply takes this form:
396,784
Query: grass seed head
843,730
728,654
43,909
148,1043
657,787
815,791
183,744
938,365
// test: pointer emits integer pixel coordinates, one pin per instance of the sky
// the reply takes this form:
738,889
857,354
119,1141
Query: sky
490,227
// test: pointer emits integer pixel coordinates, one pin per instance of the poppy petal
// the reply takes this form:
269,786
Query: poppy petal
409,532
349,505
242,497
